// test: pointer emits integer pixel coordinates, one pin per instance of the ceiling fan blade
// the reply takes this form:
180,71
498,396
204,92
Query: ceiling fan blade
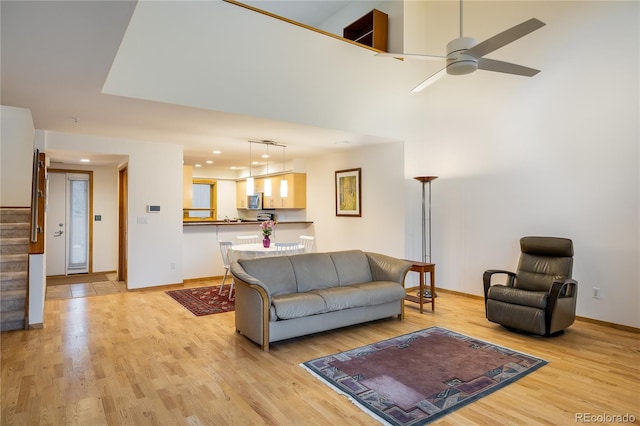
504,38
411,56
430,80
505,67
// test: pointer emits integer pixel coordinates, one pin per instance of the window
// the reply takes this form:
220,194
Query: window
203,202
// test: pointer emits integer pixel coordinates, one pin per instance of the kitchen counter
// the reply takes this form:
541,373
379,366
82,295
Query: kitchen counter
236,223
201,248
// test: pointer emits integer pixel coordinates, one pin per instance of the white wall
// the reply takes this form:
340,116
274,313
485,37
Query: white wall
381,227
154,177
557,155
16,156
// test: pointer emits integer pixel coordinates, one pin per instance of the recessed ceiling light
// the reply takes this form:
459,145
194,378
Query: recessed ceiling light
198,165
209,162
265,155
215,151
85,160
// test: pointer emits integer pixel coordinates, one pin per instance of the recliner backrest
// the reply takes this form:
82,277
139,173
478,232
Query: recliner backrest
543,260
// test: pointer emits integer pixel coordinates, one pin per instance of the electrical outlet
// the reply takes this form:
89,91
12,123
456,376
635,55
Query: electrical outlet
596,293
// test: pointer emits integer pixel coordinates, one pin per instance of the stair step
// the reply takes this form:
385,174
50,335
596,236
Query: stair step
9,215
14,262
12,320
12,300
14,230
14,245
13,280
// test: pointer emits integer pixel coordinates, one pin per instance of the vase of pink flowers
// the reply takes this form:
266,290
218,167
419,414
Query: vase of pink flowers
267,229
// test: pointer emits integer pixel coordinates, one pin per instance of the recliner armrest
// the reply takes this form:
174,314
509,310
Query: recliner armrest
486,278
564,287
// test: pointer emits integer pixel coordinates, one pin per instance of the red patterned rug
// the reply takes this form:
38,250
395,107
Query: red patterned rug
419,377
204,300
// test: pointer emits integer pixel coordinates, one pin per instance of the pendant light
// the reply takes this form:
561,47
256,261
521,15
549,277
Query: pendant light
250,182
267,181
284,184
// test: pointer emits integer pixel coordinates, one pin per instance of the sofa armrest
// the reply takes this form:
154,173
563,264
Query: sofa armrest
238,272
252,306
387,268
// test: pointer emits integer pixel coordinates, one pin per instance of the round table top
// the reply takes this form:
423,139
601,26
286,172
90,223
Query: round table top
258,250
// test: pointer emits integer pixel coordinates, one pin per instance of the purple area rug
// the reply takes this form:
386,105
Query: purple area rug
204,300
419,377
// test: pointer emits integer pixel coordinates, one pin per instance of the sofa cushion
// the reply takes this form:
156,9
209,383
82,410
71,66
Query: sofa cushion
364,294
379,292
314,271
296,305
275,272
352,267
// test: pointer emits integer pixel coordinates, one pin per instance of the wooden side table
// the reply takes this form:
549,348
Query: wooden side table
422,268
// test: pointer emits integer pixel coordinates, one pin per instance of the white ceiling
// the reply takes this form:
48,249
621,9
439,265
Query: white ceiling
56,56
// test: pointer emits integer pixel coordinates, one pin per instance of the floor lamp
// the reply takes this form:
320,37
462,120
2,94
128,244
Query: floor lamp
426,180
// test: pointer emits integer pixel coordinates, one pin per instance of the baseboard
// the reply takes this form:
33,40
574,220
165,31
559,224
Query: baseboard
458,293
191,280
36,326
609,324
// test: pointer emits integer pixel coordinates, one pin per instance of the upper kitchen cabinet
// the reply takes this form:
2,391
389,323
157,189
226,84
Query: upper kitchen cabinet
296,197
370,30
187,187
297,192
241,194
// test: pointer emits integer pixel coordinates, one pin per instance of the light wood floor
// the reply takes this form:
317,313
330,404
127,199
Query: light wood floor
139,358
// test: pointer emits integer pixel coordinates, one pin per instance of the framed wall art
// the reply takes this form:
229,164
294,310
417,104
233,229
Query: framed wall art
348,193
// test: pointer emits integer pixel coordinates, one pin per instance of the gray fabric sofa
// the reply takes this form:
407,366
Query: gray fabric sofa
282,297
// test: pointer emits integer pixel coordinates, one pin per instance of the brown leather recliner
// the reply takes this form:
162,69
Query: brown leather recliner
540,298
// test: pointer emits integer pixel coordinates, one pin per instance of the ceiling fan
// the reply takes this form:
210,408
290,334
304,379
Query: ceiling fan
464,55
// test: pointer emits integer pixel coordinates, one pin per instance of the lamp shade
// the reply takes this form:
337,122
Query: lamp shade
250,186
267,187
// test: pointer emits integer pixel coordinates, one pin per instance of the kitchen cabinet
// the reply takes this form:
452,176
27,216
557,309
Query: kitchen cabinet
296,198
297,194
187,187
241,194
241,191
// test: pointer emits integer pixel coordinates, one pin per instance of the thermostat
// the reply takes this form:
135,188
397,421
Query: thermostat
153,209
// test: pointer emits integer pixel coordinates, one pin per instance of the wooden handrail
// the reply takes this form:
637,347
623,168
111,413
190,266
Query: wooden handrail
36,241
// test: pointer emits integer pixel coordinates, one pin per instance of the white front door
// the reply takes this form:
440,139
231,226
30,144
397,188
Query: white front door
67,242
55,241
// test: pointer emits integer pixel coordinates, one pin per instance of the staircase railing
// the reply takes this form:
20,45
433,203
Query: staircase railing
38,182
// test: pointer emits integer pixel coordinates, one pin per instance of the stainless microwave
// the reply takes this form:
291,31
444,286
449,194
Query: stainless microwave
254,202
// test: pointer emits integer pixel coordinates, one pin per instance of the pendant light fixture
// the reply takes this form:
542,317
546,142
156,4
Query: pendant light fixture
267,181
284,184
250,181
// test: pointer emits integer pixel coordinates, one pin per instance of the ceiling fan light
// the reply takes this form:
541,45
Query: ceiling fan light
462,67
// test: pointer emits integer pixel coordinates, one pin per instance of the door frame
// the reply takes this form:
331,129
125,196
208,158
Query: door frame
123,185
90,213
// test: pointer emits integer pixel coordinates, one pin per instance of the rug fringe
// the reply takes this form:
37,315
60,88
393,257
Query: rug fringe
366,410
